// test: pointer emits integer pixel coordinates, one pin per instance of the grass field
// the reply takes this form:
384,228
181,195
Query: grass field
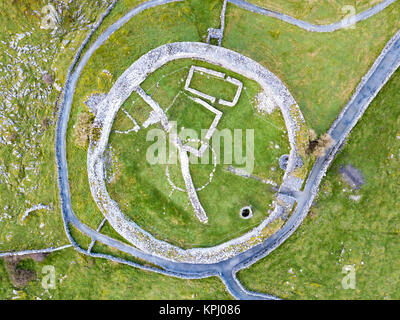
143,191
82,277
318,12
320,70
340,231
28,113
130,45
77,276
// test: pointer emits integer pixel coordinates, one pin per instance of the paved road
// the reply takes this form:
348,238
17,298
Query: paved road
228,268
309,26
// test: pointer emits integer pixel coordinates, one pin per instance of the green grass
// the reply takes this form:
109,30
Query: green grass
143,191
29,157
130,45
321,70
318,12
133,191
82,277
214,86
190,115
340,231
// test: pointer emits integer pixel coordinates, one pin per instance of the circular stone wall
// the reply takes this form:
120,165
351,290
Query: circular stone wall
129,82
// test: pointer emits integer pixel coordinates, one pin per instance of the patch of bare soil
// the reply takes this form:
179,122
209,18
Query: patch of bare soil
18,275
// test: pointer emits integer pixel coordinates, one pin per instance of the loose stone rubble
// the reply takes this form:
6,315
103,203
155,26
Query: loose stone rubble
93,101
29,86
265,103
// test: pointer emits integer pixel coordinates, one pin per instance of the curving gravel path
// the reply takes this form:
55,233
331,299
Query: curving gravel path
345,23
386,64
